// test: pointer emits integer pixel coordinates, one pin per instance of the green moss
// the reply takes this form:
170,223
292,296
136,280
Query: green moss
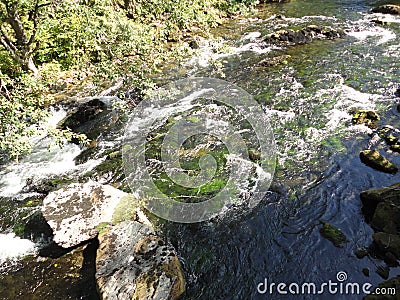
125,210
333,234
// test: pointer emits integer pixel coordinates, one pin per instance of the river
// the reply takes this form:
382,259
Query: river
310,99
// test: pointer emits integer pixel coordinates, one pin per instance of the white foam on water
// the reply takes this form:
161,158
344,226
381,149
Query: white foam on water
42,162
363,30
252,36
13,247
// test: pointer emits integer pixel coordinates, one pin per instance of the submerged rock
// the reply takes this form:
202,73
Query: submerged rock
74,212
333,234
375,160
367,117
387,9
302,36
274,61
133,263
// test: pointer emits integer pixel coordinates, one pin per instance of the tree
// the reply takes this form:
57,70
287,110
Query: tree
18,26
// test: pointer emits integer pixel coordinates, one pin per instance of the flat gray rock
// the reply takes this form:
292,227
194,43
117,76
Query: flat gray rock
75,211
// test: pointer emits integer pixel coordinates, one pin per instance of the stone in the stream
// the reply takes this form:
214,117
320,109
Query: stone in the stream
133,263
74,212
333,234
375,160
302,36
367,117
91,118
391,136
387,9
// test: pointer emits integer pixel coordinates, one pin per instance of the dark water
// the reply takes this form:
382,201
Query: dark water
319,176
310,99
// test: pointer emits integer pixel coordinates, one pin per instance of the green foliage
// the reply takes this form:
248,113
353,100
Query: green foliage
100,41
24,109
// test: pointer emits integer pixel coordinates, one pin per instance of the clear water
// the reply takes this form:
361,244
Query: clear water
319,176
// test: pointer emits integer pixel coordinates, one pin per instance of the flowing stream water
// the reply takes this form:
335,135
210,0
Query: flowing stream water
310,99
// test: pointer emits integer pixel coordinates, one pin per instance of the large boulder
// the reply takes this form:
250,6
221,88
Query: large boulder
382,208
133,263
375,160
74,212
387,9
387,242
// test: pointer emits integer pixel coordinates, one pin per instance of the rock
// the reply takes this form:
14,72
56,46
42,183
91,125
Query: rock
333,234
383,272
367,117
365,272
371,198
397,93
392,283
375,160
387,242
361,253
302,36
387,217
68,277
390,259
90,118
133,263
387,9
75,211
391,136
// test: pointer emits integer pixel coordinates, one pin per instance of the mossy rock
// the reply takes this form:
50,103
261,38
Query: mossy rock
391,136
387,9
387,217
391,283
371,198
367,117
387,242
333,234
375,160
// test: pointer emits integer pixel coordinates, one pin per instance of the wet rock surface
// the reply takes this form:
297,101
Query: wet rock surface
333,234
367,117
74,212
91,118
391,136
133,263
302,36
67,277
387,9
375,160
